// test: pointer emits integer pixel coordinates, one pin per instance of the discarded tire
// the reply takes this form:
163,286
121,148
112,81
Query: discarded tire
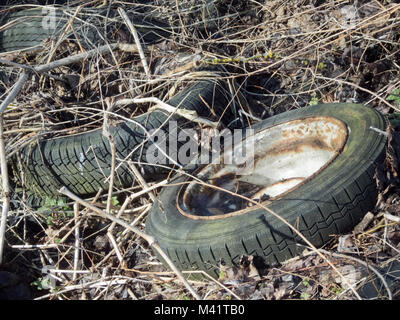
82,162
333,151
30,27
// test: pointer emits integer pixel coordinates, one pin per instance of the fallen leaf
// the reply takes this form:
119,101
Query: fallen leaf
346,244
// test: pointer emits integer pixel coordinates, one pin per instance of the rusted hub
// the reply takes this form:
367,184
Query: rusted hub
285,157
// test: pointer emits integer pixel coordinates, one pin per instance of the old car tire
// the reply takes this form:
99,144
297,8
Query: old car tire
82,162
332,202
30,27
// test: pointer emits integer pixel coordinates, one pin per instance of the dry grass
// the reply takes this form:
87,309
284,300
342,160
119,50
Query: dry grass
283,55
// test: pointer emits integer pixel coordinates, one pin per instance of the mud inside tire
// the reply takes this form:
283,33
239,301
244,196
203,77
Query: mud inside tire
330,203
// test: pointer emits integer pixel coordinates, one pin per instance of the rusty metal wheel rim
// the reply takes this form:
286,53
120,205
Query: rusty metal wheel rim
286,156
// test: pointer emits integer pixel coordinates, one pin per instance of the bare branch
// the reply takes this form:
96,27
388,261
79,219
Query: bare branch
132,29
187,114
152,242
5,190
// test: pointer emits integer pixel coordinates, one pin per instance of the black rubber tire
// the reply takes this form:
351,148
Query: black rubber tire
333,202
82,162
29,31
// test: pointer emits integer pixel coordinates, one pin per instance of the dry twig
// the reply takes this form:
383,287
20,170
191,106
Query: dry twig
151,241
187,114
132,29
5,192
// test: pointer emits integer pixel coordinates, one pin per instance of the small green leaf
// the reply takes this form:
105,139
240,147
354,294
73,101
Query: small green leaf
394,96
50,202
314,100
321,66
305,296
41,209
41,283
114,201
49,220
61,202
